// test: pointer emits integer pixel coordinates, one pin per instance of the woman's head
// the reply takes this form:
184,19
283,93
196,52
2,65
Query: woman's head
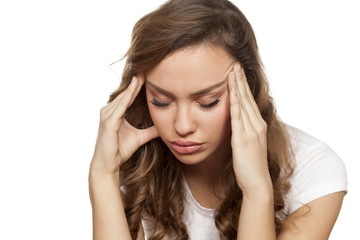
187,24
188,100
179,24
182,48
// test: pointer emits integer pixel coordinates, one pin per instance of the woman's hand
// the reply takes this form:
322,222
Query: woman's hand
117,140
248,140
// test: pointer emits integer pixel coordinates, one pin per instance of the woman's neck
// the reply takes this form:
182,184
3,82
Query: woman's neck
203,179
204,173
207,171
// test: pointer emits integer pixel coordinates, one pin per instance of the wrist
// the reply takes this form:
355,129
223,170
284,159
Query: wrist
259,195
99,167
98,175
263,190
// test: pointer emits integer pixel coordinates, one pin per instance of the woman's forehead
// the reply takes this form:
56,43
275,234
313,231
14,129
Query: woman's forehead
195,68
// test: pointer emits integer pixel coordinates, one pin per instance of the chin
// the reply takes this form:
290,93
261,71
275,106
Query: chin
208,153
193,158
189,160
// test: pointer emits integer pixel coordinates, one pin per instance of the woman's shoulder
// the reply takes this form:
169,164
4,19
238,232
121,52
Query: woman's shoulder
318,170
301,140
308,148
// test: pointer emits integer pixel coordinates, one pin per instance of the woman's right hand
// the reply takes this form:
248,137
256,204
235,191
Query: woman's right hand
117,140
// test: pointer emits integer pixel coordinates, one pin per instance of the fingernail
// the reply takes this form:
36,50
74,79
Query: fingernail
232,76
238,67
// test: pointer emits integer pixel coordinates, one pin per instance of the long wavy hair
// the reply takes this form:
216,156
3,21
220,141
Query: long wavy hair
153,176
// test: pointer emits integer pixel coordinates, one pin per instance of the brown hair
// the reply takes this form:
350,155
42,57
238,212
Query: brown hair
153,177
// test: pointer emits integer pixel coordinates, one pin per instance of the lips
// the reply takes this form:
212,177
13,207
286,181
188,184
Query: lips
185,147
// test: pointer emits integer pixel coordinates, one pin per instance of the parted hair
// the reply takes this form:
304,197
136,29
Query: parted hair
152,176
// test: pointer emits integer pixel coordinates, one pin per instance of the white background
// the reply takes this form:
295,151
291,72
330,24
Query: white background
55,77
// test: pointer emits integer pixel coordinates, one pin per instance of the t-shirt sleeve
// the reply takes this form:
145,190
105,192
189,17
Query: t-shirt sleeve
318,171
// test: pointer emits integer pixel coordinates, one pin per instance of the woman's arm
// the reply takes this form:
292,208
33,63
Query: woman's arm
109,220
249,152
256,221
116,142
313,221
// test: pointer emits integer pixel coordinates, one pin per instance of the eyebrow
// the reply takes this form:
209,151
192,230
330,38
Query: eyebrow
195,94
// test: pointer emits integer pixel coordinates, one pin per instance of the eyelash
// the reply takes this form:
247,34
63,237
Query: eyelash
206,106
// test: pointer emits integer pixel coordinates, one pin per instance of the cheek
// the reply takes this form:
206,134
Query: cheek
219,117
160,119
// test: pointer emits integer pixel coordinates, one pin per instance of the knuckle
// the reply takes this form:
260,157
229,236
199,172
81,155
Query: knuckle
102,111
236,116
252,136
108,124
263,127
241,142
103,114
236,108
247,97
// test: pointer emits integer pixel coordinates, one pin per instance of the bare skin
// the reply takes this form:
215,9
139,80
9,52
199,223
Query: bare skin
109,220
183,119
249,152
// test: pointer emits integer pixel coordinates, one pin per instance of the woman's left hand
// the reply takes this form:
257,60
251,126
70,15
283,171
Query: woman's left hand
248,140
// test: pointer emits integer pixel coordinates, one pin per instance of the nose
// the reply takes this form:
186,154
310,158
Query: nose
184,122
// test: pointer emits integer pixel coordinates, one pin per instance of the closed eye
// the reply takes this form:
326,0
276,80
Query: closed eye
165,104
159,104
209,105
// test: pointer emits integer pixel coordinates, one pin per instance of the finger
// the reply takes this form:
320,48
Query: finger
240,121
147,134
249,103
111,106
107,110
127,99
260,124
237,124
135,139
240,82
111,118
244,100
251,96
114,113
141,79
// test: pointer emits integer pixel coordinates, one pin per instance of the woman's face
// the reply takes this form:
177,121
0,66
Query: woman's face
188,100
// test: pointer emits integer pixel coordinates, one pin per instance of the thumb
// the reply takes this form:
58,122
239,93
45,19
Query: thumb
147,134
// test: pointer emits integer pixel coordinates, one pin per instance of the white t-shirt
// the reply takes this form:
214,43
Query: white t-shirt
318,171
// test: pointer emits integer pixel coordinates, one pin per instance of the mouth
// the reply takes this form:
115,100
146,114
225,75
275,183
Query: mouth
185,147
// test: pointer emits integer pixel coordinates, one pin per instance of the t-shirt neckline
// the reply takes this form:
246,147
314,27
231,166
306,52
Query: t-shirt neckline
190,198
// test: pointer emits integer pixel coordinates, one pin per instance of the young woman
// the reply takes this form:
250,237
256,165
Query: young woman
190,146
